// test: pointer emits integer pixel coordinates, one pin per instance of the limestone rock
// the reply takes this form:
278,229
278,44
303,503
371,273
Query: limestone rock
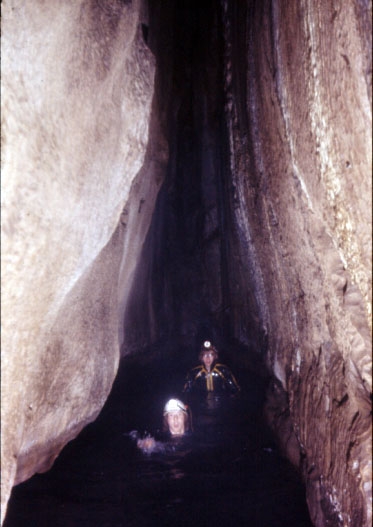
77,80
304,206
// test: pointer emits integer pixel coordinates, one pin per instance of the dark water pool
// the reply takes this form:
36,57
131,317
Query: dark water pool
228,473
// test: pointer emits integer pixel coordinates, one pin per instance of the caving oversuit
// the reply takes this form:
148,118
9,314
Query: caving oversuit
220,380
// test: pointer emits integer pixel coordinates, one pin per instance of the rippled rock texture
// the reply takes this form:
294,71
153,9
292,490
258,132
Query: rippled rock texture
77,81
301,173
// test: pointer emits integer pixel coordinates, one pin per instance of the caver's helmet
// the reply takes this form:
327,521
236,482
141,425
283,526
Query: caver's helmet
174,405
208,347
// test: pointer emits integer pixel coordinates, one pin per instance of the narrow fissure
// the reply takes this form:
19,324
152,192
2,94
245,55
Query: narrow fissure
245,227
185,291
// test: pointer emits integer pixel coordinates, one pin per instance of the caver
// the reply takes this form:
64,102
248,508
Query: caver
210,377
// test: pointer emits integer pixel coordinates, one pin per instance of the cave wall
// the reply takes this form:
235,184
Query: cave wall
297,79
79,181
262,230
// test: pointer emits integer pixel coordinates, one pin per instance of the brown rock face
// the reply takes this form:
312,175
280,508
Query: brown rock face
304,196
261,234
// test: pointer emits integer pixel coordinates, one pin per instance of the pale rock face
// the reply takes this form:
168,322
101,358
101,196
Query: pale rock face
77,87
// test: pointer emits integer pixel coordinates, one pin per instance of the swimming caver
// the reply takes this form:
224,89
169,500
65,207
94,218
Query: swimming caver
176,424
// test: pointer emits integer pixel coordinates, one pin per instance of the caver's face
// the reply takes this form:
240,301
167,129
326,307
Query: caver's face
208,359
176,423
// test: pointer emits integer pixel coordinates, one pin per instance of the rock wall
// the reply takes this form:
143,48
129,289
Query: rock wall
77,89
297,79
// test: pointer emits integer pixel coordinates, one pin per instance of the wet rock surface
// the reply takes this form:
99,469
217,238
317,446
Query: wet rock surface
300,203
228,472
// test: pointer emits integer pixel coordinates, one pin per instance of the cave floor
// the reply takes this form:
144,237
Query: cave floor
230,472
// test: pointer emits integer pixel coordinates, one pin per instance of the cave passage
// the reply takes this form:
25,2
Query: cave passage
186,290
238,252
233,478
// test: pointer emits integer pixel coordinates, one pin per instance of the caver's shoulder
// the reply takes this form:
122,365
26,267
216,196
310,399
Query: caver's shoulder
220,366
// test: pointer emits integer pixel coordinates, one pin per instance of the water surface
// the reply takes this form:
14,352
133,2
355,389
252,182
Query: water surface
228,473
